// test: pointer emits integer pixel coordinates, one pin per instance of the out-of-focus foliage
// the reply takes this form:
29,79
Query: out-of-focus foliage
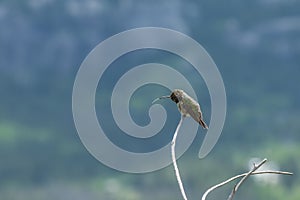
255,44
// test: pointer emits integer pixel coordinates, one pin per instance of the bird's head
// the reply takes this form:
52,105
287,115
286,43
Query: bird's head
175,96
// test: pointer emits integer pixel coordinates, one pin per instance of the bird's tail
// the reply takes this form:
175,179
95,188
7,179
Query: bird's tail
203,124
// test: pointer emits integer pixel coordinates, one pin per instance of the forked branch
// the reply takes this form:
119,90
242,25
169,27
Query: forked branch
244,176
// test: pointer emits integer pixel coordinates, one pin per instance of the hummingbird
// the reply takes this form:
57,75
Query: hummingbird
187,106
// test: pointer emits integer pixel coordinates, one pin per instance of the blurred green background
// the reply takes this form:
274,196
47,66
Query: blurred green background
255,44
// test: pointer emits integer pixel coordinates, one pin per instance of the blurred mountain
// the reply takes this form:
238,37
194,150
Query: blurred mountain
255,44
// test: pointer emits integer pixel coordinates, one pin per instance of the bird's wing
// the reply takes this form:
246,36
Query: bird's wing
193,109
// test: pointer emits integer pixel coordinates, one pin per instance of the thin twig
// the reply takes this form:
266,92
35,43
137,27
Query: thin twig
174,159
240,176
236,187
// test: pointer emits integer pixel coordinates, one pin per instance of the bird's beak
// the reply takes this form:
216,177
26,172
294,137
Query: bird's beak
163,97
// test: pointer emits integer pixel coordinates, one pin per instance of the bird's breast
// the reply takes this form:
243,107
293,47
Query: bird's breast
182,110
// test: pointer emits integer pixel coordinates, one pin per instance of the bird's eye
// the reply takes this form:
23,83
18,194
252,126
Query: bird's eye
174,98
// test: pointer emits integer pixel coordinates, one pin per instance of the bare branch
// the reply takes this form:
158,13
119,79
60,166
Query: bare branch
240,176
174,159
236,187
